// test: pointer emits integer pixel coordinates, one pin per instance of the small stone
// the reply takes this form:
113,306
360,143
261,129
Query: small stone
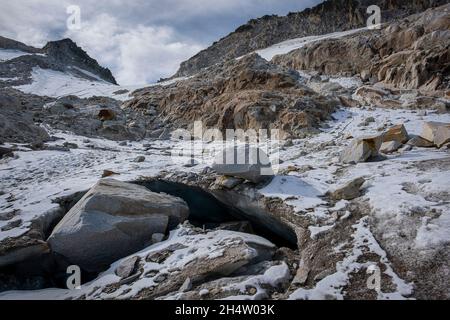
186,286
123,143
108,173
245,162
160,278
70,145
203,292
302,274
127,267
252,291
348,191
139,159
151,273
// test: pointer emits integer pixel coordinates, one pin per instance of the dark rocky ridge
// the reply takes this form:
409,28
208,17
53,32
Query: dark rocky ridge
330,16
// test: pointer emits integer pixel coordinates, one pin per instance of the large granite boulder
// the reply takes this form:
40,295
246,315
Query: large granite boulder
245,162
113,220
363,149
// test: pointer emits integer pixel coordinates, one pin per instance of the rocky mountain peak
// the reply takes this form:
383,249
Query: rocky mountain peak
68,52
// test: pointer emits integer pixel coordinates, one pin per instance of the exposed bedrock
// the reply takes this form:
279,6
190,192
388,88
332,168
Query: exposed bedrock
249,93
327,17
412,53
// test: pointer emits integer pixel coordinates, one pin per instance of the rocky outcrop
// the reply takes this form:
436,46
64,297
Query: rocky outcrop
113,220
329,16
249,93
23,114
17,122
412,53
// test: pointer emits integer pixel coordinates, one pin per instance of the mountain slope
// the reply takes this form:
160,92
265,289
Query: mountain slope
328,17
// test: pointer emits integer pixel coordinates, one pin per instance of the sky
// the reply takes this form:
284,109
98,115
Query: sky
141,41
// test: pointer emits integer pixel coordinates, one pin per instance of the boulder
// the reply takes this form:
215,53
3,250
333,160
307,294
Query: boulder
390,146
348,191
436,132
362,149
397,133
246,162
127,267
113,220
442,136
139,159
420,142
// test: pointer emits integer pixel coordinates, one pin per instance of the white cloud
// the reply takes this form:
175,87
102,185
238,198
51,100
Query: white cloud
139,55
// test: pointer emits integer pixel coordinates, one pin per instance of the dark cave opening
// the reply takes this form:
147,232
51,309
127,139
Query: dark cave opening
206,211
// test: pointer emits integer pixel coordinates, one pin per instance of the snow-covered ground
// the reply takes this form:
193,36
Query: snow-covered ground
31,181
193,247
9,54
293,44
51,83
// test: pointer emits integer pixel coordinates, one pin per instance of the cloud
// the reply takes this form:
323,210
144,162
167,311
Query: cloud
140,40
140,55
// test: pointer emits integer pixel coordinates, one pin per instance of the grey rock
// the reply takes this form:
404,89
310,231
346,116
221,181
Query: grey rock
246,162
186,286
348,191
420,142
127,267
390,146
113,220
139,159
362,149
